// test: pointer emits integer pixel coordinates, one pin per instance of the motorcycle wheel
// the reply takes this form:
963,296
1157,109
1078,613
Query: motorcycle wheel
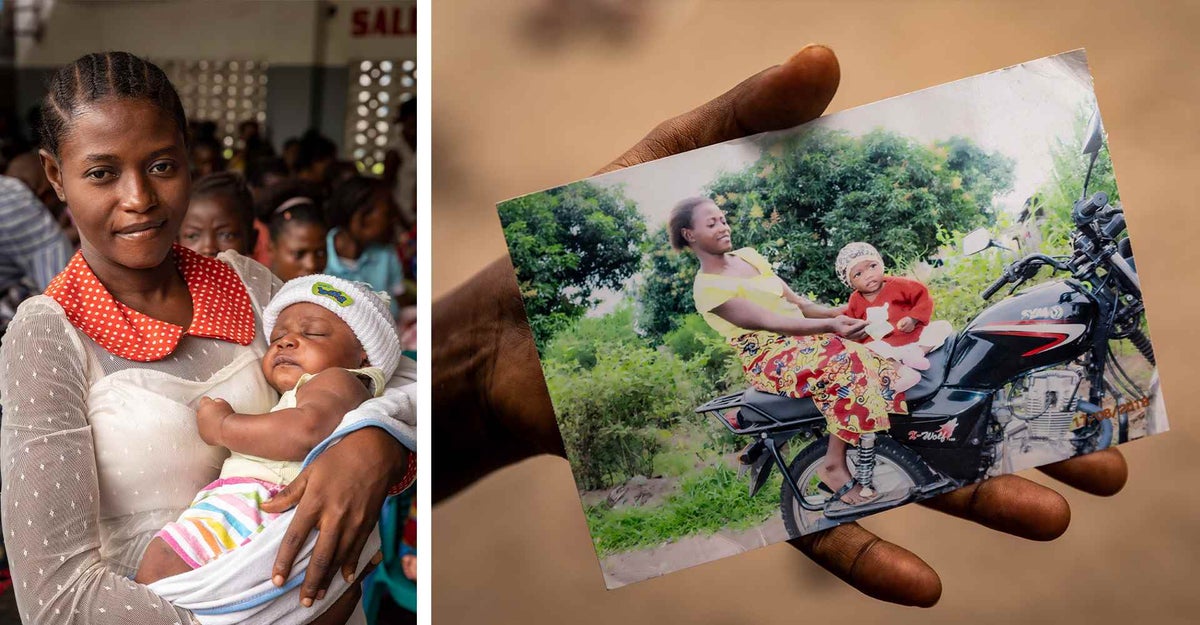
895,468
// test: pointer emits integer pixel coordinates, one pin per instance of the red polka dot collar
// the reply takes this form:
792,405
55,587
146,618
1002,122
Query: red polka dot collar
220,308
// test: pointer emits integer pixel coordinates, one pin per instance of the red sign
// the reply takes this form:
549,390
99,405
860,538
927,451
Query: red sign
390,21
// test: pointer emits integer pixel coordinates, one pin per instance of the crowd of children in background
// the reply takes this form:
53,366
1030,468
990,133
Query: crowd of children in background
300,212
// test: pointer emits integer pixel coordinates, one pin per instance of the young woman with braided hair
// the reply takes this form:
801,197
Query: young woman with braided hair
99,446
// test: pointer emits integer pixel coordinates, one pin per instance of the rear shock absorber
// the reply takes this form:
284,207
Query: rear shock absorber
865,469
1142,343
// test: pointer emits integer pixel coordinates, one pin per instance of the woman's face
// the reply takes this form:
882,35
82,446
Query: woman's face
298,250
122,169
709,231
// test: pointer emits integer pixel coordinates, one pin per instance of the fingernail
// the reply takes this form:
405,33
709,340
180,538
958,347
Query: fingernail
320,595
810,47
278,580
350,578
306,602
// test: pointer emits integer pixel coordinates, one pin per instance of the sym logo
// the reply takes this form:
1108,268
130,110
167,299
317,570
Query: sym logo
1043,312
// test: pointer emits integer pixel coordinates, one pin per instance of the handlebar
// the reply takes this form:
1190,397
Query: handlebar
1115,226
996,286
1085,210
1016,271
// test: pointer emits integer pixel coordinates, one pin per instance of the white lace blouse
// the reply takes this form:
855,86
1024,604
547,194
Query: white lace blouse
97,453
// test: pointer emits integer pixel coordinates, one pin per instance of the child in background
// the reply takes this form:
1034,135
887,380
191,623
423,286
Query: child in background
264,175
899,309
332,345
359,242
219,217
297,238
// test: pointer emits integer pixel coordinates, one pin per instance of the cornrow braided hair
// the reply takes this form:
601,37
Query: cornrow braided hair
98,76
231,185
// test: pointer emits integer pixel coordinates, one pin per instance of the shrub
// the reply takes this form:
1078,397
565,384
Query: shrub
608,413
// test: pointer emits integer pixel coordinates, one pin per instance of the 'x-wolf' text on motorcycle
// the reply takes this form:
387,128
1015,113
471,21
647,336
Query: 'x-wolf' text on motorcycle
1032,370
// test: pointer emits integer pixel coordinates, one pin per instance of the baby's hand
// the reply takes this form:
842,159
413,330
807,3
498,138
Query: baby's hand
907,324
209,415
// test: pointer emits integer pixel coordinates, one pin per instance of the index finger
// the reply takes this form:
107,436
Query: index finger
778,97
297,532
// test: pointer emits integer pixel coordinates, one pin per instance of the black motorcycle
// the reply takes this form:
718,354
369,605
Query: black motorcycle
1034,367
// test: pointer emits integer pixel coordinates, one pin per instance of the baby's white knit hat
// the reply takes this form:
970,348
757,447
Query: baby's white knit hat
367,313
851,255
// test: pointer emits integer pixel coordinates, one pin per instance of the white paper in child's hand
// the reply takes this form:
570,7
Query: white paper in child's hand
878,326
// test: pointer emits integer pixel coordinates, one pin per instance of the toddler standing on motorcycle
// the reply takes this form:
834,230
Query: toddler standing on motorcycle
899,309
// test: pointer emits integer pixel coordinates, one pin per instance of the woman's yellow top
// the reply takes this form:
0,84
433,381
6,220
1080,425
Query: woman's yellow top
765,290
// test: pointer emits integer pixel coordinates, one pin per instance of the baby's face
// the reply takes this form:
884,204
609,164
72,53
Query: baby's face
308,339
867,276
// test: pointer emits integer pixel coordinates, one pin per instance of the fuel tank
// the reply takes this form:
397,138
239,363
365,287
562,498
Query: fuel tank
1046,324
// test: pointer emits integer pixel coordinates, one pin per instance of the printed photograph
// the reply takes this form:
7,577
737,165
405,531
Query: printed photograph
771,336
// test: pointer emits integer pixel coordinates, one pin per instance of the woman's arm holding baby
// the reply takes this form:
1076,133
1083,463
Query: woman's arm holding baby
810,308
287,434
52,498
745,314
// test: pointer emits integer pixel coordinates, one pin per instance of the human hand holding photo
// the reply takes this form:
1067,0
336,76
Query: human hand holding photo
490,393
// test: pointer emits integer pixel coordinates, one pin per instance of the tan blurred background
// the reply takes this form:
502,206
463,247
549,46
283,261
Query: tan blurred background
527,96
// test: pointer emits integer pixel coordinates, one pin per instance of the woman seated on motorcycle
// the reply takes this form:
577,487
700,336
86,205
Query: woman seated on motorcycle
787,344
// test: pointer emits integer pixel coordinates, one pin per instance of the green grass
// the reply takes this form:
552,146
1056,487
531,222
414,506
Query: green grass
674,463
711,500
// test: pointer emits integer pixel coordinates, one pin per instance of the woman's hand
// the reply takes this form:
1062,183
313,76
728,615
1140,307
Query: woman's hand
491,394
209,416
340,495
848,327
340,611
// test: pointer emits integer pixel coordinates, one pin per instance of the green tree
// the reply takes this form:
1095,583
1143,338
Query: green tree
567,243
956,287
665,288
1057,196
809,195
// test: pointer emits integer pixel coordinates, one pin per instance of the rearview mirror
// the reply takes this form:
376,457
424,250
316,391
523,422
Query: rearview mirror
976,241
1093,137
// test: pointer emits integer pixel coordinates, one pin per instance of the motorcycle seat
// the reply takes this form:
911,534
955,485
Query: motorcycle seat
933,377
761,408
780,407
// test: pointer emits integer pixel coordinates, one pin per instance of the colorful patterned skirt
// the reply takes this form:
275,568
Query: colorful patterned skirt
851,385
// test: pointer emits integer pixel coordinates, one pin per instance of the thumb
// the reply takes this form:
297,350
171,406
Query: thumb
288,497
779,97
